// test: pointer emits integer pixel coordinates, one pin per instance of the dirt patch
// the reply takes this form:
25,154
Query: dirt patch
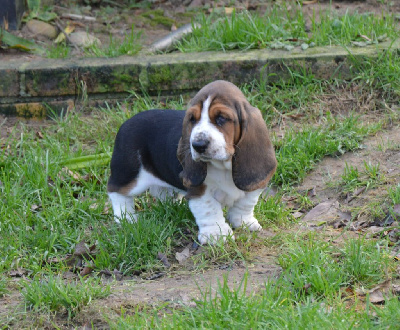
364,208
382,149
10,126
174,288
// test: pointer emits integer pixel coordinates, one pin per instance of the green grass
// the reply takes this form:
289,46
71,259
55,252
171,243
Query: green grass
46,211
280,99
52,294
272,211
60,50
134,247
353,178
284,27
306,295
130,45
3,286
311,270
298,151
394,194
364,262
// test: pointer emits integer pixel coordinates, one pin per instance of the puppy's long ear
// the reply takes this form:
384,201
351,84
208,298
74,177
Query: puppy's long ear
194,173
254,162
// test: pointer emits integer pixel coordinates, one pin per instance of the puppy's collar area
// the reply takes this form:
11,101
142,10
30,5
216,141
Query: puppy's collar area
222,165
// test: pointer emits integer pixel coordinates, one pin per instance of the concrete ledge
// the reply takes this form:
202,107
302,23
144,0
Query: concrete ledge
59,83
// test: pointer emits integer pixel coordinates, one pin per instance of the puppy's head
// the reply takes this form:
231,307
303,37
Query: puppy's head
221,125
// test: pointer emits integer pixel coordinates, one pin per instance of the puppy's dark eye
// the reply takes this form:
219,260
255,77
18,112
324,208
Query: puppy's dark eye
192,119
220,120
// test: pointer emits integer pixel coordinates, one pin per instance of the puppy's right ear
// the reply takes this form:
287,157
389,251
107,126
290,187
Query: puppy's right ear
194,173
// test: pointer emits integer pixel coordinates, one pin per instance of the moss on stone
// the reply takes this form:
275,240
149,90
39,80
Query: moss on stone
157,17
30,110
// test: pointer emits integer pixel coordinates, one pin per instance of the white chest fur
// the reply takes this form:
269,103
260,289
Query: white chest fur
220,183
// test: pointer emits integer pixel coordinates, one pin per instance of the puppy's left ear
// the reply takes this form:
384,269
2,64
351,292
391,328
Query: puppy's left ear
254,162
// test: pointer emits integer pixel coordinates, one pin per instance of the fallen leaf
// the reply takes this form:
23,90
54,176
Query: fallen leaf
35,207
297,214
19,43
348,292
94,206
311,192
373,231
396,211
386,221
323,212
155,276
54,260
19,272
378,293
61,37
69,275
364,37
376,297
106,272
87,177
39,135
82,250
355,194
107,209
339,224
66,170
85,271
346,216
182,256
394,235
360,43
118,275
306,287
164,259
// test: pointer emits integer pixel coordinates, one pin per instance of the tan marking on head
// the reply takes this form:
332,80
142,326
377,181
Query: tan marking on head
230,124
245,133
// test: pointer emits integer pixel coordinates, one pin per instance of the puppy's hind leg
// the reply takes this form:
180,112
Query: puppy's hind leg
123,206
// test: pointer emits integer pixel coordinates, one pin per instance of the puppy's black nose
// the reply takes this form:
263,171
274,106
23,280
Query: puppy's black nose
200,145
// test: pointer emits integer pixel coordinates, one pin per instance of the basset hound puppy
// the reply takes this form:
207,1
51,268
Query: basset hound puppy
218,153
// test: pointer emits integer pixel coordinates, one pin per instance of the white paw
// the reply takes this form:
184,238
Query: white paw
130,217
250,222
211,234
252,225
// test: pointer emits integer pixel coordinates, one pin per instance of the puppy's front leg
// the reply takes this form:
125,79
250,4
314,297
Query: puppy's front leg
209,218
242,211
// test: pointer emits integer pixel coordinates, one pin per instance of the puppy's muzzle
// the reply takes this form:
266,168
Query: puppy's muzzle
200,145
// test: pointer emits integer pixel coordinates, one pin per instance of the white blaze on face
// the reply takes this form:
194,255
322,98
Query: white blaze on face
206,130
